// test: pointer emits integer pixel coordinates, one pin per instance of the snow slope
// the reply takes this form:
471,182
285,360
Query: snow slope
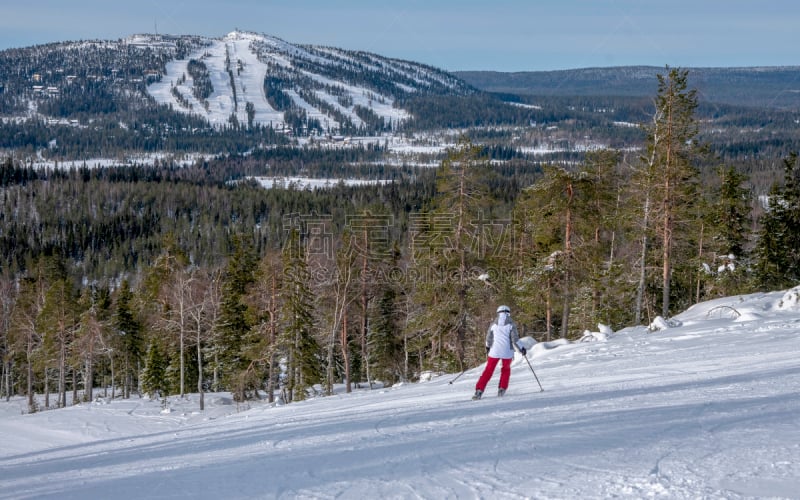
249,83
239,63
708,409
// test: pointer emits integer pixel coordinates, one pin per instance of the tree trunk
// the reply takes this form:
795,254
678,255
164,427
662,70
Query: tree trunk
74,386
113,379
30,386
272,338
643,264
182,360
567,261
346,355
565,311
215,376
200,390
62,376
699,258
88,384
549,310
667,267
364,320
7,380
46,389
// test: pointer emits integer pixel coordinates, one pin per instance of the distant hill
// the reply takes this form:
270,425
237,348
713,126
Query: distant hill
770,87
272,82
189,94
241,79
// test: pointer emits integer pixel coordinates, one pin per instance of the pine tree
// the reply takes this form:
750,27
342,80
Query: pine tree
58,322
25,337
601,288
8,298
92,332
450,251
553,201
570,227
669,167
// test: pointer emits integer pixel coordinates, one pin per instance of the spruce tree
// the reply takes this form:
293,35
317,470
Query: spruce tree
777,252
154,376
128,339
385,344
303,353
730,220
236,318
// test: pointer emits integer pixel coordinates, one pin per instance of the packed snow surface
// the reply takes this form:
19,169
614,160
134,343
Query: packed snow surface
237,66
707,409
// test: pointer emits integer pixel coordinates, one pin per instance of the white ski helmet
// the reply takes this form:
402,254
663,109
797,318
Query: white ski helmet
503,309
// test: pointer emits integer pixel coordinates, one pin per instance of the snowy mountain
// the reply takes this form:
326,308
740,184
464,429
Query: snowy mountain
240,79
703,406
271,78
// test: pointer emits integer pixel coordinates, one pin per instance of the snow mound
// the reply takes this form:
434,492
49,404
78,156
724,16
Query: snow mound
748,316
546,346
427,376
601,335
663,324
593,336
528,342
790,300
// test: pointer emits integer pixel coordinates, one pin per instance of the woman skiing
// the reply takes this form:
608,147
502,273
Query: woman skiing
501,339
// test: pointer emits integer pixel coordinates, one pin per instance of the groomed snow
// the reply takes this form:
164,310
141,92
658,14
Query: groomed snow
708,409
249,54
249,82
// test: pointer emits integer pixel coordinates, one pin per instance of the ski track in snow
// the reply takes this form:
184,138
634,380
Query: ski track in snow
705,410
248,84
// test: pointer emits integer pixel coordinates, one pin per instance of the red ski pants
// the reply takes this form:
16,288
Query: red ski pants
491,364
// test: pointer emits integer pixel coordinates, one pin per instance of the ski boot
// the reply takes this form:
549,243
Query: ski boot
501,392
477,395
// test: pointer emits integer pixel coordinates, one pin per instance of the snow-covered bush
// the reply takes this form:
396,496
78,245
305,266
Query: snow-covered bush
663,324
790,300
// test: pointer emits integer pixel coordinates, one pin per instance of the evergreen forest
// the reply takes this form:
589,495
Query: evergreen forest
161,278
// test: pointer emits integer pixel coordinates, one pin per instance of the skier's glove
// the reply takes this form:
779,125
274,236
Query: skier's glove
487,350
523,351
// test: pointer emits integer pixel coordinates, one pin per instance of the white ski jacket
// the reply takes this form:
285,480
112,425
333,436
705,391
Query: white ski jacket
502,337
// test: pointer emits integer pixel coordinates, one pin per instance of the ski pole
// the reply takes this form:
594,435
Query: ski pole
534,374
459,375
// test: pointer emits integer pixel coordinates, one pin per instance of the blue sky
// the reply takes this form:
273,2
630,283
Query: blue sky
502,35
